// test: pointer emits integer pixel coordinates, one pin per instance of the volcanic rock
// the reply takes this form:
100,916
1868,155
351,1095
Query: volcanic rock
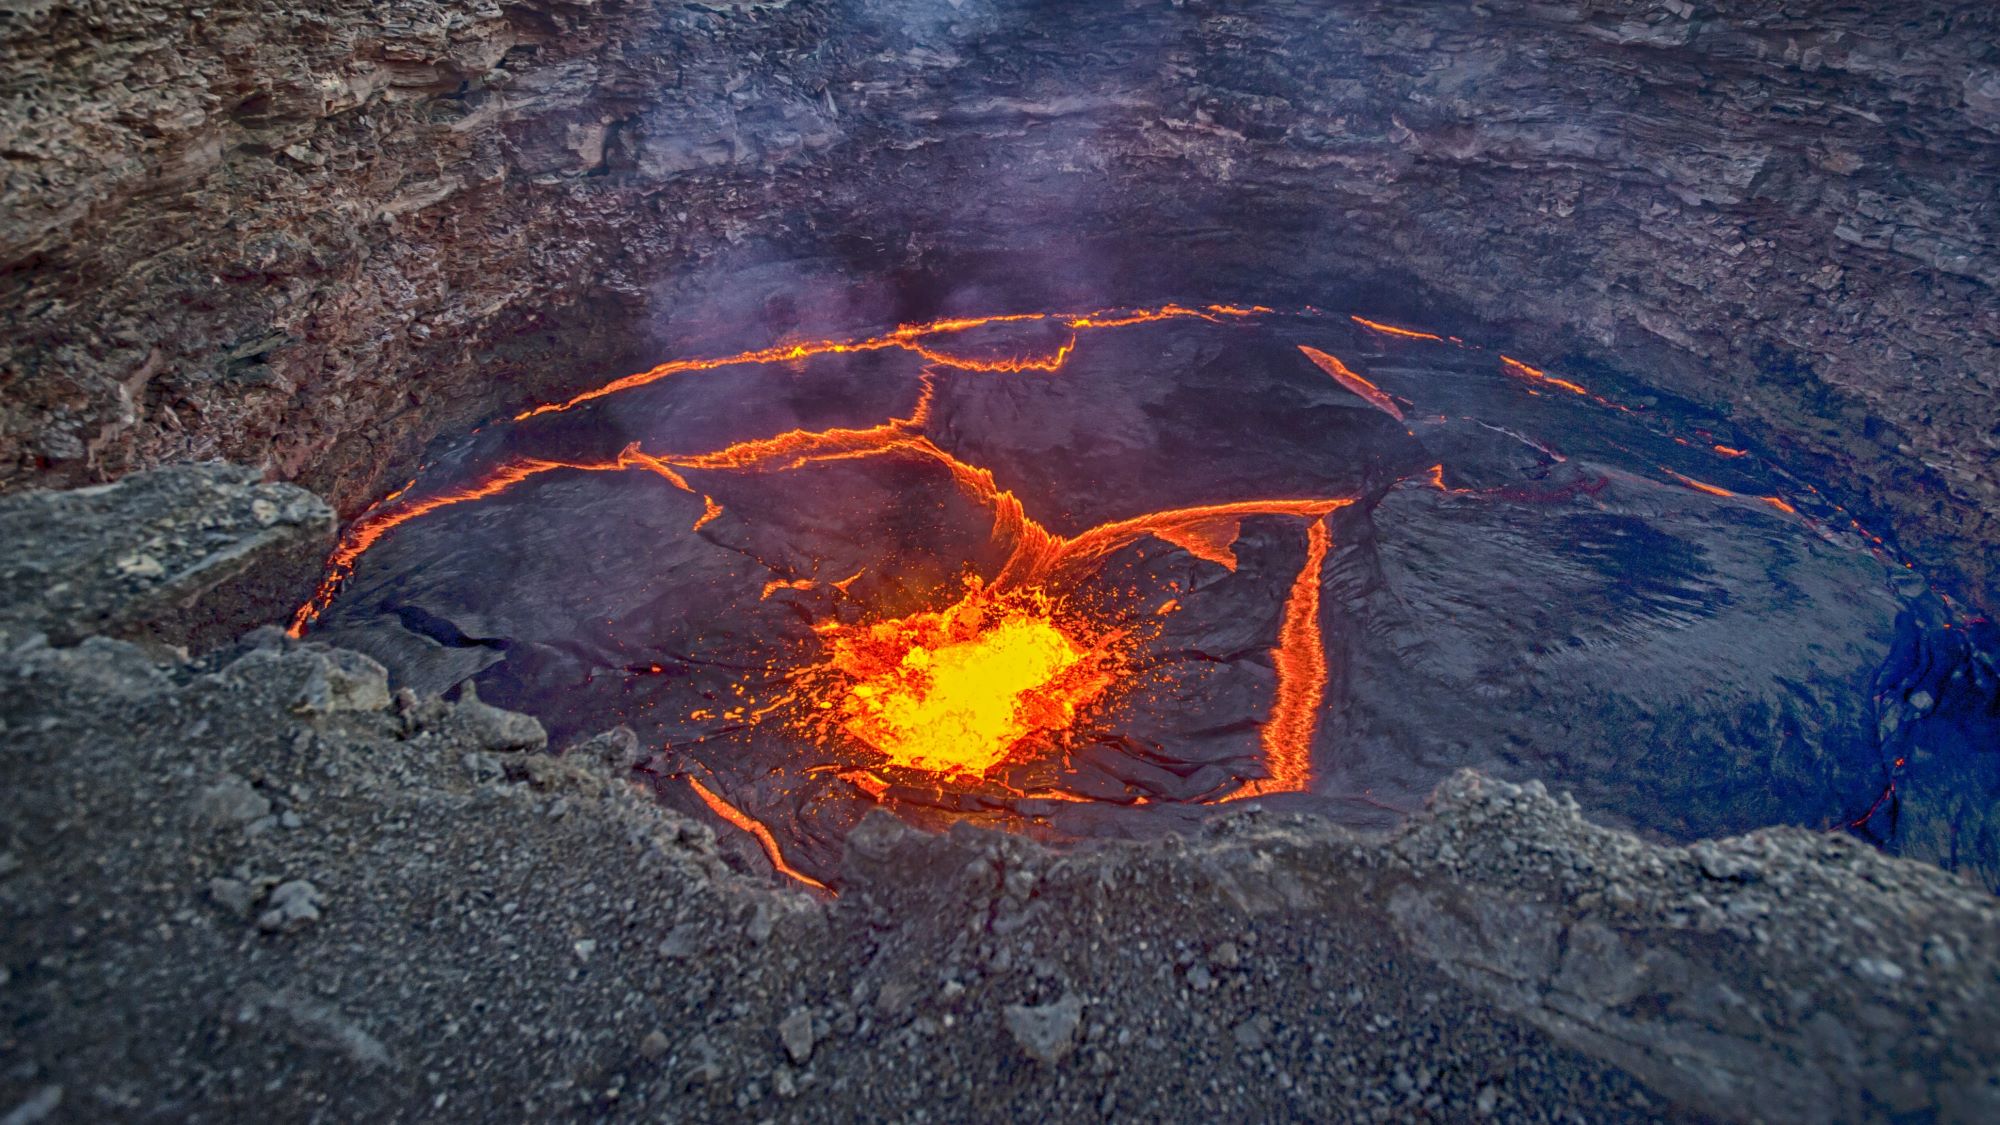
494,730
192,555
292,906
1047,1032
795,1032
231,801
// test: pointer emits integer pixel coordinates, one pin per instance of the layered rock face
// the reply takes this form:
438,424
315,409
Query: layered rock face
313,236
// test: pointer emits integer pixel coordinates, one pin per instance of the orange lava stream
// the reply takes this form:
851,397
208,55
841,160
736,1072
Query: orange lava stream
1091,546
737,817
1777,502
710,512
1536,374
1392,330
1726,451
1699,486
1346,377
910,337
1052,361
1211,542
387,514
794,448
1300,659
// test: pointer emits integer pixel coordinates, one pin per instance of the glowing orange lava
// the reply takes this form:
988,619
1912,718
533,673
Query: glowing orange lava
953,692
1012,665
710,512
388,513
1392,330
910,338
1214,541
1700,486
1347,378
1300,659
1776,502
737,817
1537,375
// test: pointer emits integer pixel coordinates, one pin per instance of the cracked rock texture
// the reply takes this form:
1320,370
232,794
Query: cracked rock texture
191,555
257,885
313,236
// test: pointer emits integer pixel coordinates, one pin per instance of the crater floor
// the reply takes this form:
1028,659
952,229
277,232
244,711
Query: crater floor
1308,558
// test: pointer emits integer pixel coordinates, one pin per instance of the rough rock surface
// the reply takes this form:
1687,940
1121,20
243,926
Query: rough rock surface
257,885
312,236
231,905
191,555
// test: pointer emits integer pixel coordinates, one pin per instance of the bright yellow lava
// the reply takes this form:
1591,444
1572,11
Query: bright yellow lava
951,693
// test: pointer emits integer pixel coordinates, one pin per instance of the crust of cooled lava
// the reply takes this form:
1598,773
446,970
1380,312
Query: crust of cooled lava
255,884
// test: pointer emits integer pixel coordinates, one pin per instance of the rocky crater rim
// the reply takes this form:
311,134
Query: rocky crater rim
1611,945
1785,974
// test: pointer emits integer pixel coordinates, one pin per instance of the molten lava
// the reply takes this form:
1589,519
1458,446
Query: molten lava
953,693
996,689
749,824
1347,378
1392,330
1776,502
1537,375
912,338
1300,659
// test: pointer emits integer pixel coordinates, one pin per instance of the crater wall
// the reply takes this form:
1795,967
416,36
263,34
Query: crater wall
313,236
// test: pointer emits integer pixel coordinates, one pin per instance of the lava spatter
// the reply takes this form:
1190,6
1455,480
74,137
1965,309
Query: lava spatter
953,692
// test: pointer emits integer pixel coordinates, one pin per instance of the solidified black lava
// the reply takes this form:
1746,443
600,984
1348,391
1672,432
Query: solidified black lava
1593,588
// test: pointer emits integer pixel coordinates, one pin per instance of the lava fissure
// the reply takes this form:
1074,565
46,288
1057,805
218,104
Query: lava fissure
756,829
387,514
957,691
1391,330
1300,659
909,337
1346,377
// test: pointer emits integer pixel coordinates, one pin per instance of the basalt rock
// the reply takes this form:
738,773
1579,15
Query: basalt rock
191,555
314,238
